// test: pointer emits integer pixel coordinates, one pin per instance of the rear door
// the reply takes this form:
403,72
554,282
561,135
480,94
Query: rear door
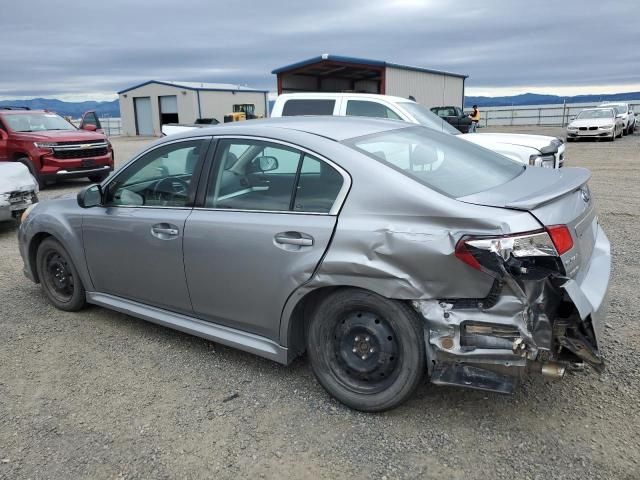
266,216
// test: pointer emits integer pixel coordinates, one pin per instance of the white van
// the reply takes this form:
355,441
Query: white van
537,150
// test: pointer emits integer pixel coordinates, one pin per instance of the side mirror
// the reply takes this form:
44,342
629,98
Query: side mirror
263,164
90,196
89,127
3,135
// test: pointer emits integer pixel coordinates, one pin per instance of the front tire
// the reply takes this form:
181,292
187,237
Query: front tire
366,350
59,277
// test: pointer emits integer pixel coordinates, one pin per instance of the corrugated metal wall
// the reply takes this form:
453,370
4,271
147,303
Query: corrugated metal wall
187,106
219,104
429,89
212,104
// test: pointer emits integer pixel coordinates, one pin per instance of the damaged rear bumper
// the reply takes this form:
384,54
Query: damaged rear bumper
540,324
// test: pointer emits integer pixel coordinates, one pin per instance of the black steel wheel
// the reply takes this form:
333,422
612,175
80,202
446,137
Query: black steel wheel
59,277
366,350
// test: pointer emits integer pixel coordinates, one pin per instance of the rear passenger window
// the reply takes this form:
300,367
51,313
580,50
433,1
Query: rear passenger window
361,108
318,186
294,108
265,176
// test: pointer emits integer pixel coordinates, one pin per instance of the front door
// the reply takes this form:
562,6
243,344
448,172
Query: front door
267,219
133,243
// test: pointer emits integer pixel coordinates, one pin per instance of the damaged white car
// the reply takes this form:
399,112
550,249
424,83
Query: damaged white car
18,190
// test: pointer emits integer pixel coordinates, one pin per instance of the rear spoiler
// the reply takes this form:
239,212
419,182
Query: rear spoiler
534,187
570,181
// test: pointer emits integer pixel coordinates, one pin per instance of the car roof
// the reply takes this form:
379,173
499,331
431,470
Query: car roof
372,96
333,128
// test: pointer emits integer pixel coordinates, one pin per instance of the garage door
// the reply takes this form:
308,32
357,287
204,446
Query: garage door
168,109
144,124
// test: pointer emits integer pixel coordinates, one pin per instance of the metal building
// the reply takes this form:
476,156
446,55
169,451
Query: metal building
146,107
333,73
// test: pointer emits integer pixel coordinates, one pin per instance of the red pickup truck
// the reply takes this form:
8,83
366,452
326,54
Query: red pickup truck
53,148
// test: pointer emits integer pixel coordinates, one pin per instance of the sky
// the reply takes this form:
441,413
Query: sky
84,50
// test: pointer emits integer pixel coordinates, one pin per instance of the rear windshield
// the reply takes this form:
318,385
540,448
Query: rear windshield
36,122
440,161
427,118
294,108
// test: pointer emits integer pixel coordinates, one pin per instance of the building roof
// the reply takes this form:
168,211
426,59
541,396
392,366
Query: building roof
210,87
361,61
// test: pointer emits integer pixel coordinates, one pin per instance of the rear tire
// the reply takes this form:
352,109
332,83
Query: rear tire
366,350
59,277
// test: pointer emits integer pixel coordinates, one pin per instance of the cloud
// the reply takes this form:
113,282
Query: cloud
99,48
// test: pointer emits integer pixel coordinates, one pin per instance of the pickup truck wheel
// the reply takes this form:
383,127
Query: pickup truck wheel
366,350
27,163
59,277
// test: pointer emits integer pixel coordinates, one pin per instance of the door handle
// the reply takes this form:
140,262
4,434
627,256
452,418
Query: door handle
294,238
164,231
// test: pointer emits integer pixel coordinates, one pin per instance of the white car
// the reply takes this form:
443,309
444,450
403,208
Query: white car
18,190
626,114
596,123
537,150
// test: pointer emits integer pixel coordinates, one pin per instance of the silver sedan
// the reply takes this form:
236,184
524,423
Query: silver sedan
603,122
386,251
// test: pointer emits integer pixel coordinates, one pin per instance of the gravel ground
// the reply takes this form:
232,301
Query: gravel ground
98,394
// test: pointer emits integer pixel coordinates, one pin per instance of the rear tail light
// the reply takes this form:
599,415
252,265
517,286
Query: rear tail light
481,252
561,237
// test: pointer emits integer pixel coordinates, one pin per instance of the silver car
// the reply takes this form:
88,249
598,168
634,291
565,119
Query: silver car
384,250
602,122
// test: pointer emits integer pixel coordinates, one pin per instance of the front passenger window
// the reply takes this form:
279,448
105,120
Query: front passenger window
160,178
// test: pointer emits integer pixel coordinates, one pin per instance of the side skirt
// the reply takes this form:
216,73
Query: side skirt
231,337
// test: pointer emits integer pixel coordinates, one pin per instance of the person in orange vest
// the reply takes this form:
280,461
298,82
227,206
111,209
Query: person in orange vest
475,119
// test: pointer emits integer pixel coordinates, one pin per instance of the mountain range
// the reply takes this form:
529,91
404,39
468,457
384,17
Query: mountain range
537,99
71,109
112,109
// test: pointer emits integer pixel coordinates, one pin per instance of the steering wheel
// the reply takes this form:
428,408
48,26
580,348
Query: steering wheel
170,190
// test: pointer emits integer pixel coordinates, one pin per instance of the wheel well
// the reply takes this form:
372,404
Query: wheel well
301,315
33,251
18,155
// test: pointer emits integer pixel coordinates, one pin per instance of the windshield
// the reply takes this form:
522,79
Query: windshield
427,118
37,122
604,113
440,161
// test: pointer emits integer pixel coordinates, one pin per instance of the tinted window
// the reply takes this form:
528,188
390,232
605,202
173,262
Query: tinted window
361,108
449,165
308,107
162,177
318,186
